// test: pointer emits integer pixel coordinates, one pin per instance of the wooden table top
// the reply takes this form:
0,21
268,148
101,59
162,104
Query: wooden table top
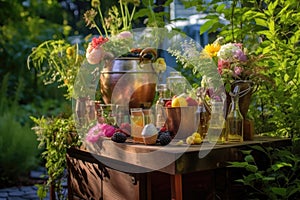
172,159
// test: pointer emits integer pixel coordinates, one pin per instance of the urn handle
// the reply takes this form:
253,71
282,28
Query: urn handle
249,87
148,53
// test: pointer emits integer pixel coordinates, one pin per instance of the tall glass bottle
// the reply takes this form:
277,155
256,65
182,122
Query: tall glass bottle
202,120
202,115
160,114
235,120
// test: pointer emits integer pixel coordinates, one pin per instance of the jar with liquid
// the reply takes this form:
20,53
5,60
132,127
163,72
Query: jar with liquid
137,123
216,131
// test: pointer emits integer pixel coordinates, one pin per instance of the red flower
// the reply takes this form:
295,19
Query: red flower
98,41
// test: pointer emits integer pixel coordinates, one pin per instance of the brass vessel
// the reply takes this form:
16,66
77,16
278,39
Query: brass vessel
130,80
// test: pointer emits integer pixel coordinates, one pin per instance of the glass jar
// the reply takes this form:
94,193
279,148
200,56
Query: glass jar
137,123
216,131
159,106
122,114
106,113
148,116
176,84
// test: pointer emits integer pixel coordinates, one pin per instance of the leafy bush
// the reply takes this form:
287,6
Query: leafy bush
282,51
277,177
18,145
18,150
55,135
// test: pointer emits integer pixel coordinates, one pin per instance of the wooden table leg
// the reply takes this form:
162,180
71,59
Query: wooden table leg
176,187
148,187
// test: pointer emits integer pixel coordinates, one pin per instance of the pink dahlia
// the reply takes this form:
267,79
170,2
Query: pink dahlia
99,130
94,134
107,130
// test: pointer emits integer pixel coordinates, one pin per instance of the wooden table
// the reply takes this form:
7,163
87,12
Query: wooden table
111,170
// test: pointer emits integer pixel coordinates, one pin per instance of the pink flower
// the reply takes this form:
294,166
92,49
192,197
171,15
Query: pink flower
107,130
99,130
239,55
238,71
124,35
94,134
223,64
95,52
239,45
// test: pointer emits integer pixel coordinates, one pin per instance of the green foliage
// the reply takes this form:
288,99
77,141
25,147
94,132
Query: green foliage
18,145
57,61
24,26
153,19
277,177
282,51
55,135
232,19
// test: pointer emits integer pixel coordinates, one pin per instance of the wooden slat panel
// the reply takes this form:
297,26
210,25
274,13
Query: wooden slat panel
89,180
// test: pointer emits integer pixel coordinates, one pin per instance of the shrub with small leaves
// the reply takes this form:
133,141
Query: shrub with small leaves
56,135
278,177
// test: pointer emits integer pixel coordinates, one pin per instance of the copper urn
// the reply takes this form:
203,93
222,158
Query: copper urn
130,80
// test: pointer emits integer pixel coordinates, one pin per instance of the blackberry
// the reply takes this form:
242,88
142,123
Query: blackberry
164,139
119,137
167,132
163,133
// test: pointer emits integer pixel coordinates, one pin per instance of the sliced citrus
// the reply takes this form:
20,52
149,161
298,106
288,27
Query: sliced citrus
179,102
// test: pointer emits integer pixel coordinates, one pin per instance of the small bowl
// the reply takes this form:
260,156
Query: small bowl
150,140
181,121
149,134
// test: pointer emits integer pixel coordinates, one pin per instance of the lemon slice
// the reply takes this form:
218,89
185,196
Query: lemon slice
179,102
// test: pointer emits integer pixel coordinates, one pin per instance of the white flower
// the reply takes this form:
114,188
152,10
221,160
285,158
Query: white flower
228,51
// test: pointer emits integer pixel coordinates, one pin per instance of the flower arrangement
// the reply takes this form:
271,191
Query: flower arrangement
116,28
221,66
234,62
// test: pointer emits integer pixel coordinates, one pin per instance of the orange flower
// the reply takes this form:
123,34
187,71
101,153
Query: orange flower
212,49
